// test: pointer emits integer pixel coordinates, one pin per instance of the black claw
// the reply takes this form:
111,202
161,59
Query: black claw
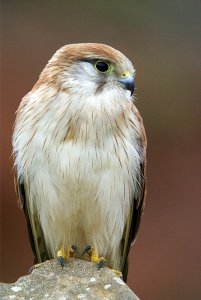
101,264
62,261
75,249
86,250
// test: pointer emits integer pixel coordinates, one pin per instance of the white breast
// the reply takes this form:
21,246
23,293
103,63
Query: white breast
81,170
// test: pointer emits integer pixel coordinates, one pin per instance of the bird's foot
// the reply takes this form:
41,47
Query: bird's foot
63,255
100,261
118,273
93,256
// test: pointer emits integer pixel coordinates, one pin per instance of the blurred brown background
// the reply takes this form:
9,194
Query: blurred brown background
163,39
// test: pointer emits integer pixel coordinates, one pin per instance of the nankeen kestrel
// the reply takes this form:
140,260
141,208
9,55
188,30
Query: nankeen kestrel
80,154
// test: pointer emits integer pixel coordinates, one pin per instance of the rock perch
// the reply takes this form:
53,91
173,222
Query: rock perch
78,279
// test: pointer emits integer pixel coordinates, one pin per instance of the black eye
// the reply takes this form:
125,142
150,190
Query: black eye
102,66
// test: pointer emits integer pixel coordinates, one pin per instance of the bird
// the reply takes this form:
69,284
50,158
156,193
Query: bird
79,147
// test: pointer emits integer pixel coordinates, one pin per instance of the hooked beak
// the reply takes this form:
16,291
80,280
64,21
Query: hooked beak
128,82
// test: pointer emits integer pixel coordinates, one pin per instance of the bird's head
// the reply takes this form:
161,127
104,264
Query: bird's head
90,69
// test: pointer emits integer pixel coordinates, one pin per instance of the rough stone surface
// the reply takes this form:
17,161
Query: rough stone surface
78,279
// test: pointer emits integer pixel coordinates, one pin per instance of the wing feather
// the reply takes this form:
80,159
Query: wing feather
34,228
138,202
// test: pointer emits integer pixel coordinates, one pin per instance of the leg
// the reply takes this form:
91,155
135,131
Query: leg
65,255
93,256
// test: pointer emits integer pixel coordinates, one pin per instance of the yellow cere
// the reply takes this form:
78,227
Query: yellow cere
125,74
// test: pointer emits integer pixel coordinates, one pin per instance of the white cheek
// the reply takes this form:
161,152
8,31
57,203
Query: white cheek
80,85
82,79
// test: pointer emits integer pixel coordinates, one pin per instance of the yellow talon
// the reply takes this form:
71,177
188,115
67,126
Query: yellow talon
118,273
63,255
72,250
93,256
